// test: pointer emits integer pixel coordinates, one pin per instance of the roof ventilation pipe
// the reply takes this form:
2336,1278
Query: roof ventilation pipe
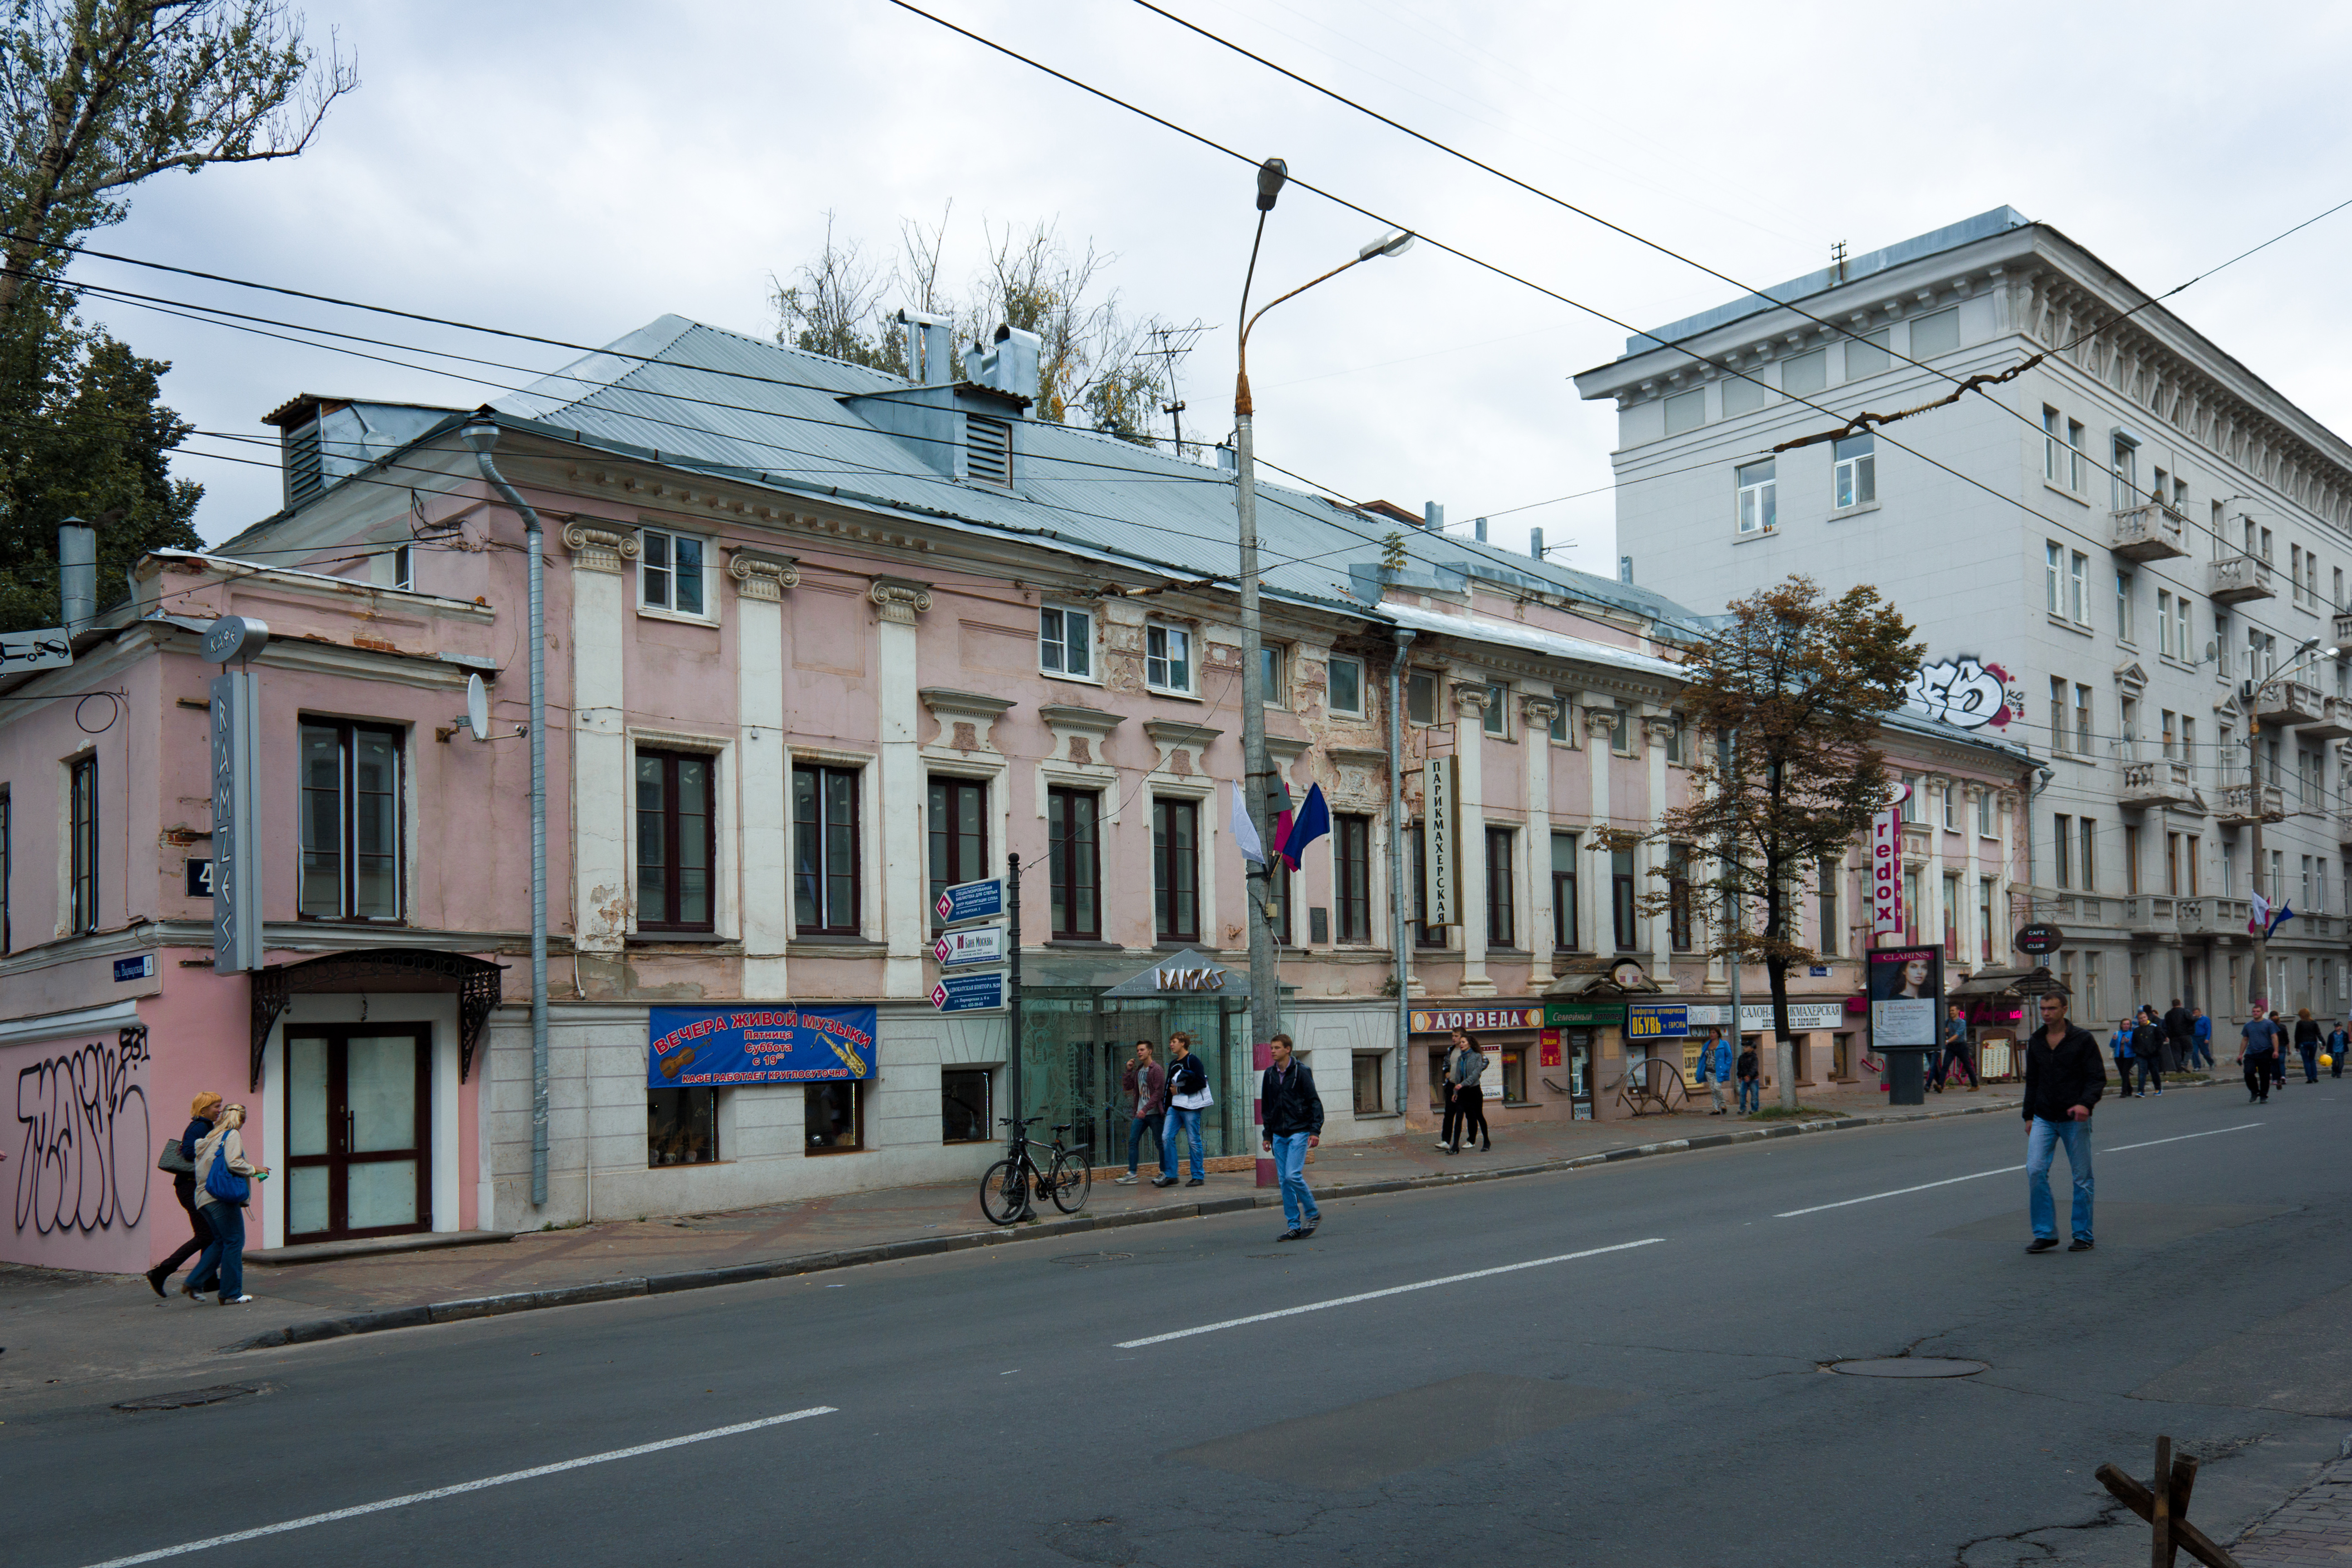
77,574
1011,366
1536,543
1478,530
930,347
1432,515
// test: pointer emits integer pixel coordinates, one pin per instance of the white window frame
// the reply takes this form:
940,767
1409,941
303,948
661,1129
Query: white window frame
1756,509
1275,657
1495,719
1060,644
1854,479
1163,661
2125,588
2053,581
2165,642
2078,584
708,613
1332,663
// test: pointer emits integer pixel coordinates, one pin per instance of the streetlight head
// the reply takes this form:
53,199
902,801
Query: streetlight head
1271,176
1395,244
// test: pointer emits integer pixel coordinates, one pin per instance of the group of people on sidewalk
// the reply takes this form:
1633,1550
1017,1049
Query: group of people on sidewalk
2143,1043
1716,1067
2262,1049
1167,1102
207,1162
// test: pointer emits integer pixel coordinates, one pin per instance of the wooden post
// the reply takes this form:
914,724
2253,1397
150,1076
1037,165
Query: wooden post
2160,1501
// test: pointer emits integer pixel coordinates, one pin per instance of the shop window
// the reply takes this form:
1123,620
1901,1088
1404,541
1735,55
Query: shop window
1352,867
1514,1075
828,872
958,834
1176,869
1074,868
676,841
964,1106
836,1117
1370,1080
681,1126
351,822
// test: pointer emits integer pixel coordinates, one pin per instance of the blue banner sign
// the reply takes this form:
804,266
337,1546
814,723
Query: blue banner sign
1656,1020
972,901
703,1048
968,993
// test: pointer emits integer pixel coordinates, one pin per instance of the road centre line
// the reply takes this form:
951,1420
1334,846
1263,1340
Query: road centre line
2005,1170
1366,1296
437,1492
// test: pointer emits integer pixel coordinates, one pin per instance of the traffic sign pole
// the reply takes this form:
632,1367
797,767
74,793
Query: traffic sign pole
1012,988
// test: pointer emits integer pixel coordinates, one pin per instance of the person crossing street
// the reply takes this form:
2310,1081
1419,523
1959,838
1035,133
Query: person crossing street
1294,1124
2063,1080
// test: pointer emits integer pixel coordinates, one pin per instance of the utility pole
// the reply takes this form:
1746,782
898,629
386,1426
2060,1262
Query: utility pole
1731,907
1175,342
2255,807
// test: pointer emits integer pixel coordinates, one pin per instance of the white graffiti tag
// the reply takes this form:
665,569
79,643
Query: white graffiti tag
1962,692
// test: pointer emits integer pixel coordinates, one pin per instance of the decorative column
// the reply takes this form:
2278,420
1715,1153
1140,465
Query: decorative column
1470,854
899,797
603,893
1599,740
1658,729
765,864
1972,943
1535,736
2005,913
1939,792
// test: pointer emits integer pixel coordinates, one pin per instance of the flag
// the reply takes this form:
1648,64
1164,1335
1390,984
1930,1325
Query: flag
2258,923
1314,820
2285,913
1281,803
1245,830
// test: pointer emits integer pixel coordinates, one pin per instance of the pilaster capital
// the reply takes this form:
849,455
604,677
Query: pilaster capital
1658,727
899,601
1470,696
1539,710
1601,721
599,547
760,575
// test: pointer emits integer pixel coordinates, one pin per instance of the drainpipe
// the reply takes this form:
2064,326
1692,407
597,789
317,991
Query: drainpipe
1397,905
482,439
77,575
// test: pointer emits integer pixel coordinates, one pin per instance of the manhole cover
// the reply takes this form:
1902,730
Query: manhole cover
1910,1366
188,1396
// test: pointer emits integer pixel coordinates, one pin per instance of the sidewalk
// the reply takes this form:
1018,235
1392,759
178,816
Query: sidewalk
2313,1526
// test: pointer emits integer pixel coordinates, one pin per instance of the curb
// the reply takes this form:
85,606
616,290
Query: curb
928,1247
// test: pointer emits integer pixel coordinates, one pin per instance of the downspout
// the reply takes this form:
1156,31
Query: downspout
482,439
1396,868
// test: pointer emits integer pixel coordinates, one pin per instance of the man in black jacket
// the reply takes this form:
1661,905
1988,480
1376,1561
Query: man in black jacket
1292,1113
2179,1038
2063,1079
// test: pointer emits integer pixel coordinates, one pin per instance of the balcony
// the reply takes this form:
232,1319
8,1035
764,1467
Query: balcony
2234,579
2343,826
2289,704
2343,629
2148,916
2160,784
2334,724
2150,533
2242,804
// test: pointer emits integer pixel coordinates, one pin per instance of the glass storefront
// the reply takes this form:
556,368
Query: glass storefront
1074,1046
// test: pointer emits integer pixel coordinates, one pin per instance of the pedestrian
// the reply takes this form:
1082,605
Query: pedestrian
2121,1045
2259,1041
2339,1040
1292,1113
2180,1037
1470,1127
2063,1080
220,1177
2306,1044
1751,1086
1449,1084
1187,1096
2203,1038
1146,1084
1956,1048
179,1157
2147,1052
1715,1069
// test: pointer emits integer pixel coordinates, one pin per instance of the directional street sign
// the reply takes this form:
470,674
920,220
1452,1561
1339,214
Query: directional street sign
973,900
969,992
972,944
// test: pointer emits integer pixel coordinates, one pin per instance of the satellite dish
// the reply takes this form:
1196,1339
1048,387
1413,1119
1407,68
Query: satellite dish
478,708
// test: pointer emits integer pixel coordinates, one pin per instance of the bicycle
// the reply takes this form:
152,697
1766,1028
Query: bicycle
1004,1190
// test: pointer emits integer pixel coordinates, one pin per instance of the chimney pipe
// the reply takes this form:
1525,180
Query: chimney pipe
77,574
1478,530
1624,569
1536,543
1432,515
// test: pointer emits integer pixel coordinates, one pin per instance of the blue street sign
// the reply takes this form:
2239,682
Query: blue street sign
139,968
972,901
968,993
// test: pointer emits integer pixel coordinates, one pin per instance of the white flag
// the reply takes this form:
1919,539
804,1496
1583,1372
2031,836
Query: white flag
1245,831
2261,922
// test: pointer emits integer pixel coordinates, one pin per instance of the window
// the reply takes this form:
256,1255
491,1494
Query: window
1497,719
1984,920
669,572
2075,455
1065,642
2091,986
1168,658
2083,719
2090,863
1936,334
958,827
1743,393
1421,696
1277,878
81,788
2123,606
1351,876
403,566
2222,644
2057,714
1915,790
1423,933
1621,901
1564,892
2078,588
1074,864
1805,372
2195,848
1561,730
835,1116
1176,869
2131,860
1984,813
2225,762
681,1126
2128,708
964,1107
1866,354
676,840
1758,507
1914,914
1853,479
2165,642
2061,840
351,822
2170,752
1827,878
1272,663
1620,738
1952,915
2335,587
1951,798
1674,738
2053,445
1368,1080
2053,577
1347,686
827,874
1501,929
1685,411
1678,896
2123,487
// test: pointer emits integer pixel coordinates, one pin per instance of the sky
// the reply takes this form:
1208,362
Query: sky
575,171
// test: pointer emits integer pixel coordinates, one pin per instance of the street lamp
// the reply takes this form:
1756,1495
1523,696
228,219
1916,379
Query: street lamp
1265,1000
2252,691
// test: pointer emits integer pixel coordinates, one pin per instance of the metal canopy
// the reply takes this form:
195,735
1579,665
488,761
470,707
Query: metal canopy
381,969
2007,982
1191,973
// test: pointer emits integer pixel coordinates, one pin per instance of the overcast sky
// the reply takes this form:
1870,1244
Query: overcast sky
577,170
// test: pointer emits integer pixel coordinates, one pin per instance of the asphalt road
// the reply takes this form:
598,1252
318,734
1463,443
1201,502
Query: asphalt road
1662,1403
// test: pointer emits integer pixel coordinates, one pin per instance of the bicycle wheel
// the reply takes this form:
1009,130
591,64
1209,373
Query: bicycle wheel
1072,1178
1003,1191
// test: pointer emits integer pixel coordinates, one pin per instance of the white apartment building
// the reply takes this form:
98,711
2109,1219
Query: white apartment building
2099,552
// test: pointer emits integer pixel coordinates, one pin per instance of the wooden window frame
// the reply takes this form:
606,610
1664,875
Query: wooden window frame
82,845
934,836
673,838
1072,876
1502,907
1167,860
347,732
1351,877
829,921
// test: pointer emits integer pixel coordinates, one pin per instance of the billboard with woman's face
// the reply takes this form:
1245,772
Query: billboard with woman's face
1907,996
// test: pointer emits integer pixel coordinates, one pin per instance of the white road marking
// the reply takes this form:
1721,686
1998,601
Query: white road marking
438,1492
2004,1171
1371,1296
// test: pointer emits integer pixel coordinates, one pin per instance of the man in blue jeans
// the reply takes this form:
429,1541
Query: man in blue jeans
1187,1096
2063,1079
1294,1124
2202,1028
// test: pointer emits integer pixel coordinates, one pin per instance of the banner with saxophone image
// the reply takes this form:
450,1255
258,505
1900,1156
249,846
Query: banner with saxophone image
704,1047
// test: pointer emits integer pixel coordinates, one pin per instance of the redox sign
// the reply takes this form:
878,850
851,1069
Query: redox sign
974,944
969,992
973,900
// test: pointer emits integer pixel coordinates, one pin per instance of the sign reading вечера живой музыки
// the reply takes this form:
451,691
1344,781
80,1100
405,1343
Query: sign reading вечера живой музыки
703,1048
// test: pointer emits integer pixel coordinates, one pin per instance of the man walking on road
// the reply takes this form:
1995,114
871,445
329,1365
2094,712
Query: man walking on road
2260,1045
1956,1048
1294,1124
2339,1040
2180,1037
1147,1085
2147,1054
2063,1079
1449,1086
1714,1067
2203,1034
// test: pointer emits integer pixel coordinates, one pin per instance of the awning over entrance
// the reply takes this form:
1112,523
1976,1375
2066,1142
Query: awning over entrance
2009,984
475,981
1189,971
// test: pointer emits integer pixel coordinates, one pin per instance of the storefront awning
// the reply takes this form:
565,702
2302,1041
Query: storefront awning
475,981
1191,971
2007,982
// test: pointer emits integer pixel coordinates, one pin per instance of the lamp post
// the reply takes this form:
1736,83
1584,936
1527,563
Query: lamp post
1265,1000
2253,691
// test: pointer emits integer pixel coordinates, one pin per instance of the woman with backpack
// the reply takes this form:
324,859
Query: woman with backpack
179,1158
220,1178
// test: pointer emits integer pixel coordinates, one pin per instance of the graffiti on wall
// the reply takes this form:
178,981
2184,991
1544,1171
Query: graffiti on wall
83,1163
1966,693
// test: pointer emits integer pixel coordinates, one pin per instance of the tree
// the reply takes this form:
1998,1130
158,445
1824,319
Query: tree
1798,684
99,95
833,306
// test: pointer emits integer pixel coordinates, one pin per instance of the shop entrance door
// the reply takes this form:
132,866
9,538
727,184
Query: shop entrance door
358,1131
